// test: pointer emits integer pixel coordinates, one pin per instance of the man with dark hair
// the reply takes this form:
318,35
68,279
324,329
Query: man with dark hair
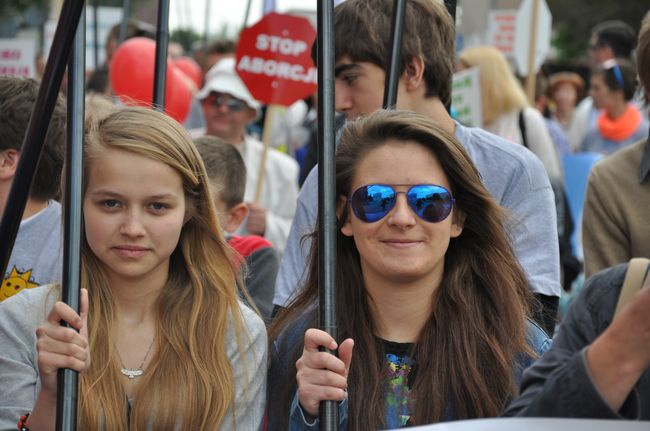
611,39
514,176
217,51
134,28
36,256
227,173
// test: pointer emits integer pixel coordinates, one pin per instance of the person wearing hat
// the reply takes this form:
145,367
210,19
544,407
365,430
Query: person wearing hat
565,90
228,107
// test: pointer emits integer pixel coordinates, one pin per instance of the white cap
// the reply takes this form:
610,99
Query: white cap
222,78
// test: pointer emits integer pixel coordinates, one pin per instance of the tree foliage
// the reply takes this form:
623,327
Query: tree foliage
574,19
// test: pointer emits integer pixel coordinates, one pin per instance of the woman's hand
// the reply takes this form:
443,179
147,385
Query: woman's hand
322,376
62,347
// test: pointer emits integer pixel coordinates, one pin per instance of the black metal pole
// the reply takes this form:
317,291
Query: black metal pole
246,15
67,380
37,128
394,61
451,7
162,40
96,32
326,191
126,6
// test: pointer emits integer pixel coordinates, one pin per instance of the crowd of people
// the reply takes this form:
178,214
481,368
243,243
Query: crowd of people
200,270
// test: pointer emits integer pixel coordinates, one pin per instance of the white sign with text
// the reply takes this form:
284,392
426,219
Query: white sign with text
466,97
18,57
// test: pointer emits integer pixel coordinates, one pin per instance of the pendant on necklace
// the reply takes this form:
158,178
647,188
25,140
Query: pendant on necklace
132,374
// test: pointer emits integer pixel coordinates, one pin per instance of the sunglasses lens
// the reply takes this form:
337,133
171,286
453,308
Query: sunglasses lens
218,100
371,203
236,105
430,202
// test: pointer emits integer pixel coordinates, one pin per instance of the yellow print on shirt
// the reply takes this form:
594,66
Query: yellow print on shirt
16,282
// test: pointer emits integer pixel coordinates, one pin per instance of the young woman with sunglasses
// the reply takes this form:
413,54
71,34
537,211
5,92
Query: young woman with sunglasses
164,342
432,304
620,122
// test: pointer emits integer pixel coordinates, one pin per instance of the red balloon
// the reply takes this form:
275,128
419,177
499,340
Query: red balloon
131,74
190,68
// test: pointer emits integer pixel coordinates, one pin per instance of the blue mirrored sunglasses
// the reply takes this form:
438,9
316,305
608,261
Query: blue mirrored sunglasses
371,203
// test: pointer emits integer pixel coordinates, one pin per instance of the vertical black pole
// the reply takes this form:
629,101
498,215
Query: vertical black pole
126,6
67,381
162,40
326,191
37,128
246,15
96,32
451,8
394,61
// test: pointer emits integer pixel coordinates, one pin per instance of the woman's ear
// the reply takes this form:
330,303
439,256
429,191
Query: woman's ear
342,212
457,223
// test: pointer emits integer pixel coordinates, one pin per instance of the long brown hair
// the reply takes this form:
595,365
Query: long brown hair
466,350
189,382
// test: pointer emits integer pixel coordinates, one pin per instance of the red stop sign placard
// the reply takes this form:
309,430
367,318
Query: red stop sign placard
274,59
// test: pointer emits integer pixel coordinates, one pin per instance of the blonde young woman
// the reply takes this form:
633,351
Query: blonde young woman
163,341
504,101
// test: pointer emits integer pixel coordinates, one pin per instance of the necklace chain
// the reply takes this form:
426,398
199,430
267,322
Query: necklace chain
137,372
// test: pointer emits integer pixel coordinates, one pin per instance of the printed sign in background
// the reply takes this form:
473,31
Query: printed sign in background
509,30
501,30
18,57
466,97
274,59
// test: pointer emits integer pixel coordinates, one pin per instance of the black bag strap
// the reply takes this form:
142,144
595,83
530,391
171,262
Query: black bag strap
522,127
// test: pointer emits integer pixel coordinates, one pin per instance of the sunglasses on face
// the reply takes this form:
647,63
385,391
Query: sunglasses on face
371,203
217,100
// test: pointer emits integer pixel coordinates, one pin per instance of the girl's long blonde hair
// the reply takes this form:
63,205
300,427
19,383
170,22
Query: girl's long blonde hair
501,92
189,382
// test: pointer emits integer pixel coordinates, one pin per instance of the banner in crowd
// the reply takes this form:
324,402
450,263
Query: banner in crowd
18,57
274,59
510,31
466,97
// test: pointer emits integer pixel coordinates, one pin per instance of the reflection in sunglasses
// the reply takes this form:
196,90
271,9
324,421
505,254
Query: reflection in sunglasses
373,202
218,100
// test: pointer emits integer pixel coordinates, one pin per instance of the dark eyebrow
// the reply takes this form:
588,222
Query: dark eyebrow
344,68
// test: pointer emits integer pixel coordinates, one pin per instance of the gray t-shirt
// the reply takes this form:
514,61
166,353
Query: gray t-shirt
517,181
36,258
21,314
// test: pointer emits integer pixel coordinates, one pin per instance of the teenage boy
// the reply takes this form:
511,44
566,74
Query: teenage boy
227,174
36,257
515,177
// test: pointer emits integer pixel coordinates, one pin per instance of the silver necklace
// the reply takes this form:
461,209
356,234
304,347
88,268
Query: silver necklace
137,372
